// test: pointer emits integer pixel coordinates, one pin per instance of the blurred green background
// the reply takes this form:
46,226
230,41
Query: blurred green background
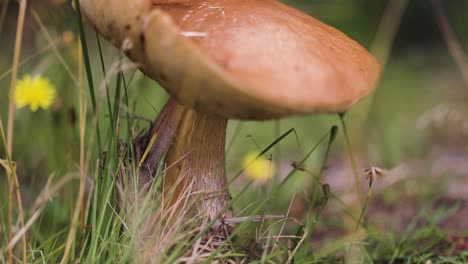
415,127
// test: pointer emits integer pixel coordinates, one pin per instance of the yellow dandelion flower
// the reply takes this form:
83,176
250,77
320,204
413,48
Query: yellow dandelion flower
35,91
260,169
68,37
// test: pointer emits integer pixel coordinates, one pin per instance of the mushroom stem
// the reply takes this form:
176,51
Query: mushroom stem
194,142
195,162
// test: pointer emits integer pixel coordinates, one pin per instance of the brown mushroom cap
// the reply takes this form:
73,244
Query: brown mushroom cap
244,59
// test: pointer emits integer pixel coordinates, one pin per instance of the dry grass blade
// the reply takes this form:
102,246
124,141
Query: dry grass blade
50,41
29,58
3,11
284,223
387,29
453,44
39,205
256,218
81,190
291,256
381,48
11,117
6,165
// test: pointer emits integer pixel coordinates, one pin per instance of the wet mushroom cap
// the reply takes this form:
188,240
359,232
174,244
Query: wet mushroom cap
249,59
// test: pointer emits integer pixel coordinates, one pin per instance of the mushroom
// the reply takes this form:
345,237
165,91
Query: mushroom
223,59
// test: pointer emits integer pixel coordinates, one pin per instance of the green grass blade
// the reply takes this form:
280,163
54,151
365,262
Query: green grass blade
84,47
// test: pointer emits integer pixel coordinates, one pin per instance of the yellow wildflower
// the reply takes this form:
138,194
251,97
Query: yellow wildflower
260,169
34,91
68,37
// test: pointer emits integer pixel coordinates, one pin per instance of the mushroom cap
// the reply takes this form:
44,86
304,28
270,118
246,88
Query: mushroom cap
243,59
